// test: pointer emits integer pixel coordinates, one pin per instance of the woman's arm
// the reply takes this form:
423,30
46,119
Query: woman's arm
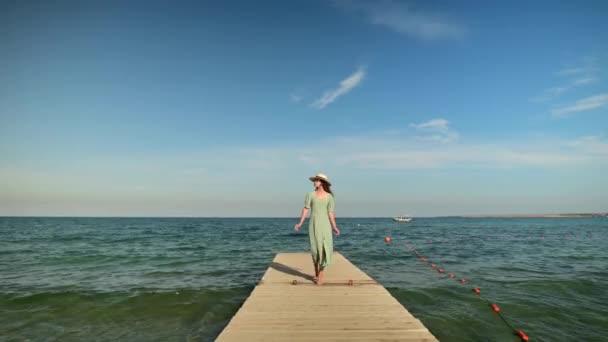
302,218
332,218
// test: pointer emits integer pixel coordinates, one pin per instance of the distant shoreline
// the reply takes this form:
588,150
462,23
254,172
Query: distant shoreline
565,215
558,215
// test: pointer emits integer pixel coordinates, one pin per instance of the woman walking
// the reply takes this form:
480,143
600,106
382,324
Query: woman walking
321,223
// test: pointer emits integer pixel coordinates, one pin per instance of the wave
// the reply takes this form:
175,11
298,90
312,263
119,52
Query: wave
135,315
135,293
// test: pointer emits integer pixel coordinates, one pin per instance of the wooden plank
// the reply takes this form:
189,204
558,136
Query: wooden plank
350,306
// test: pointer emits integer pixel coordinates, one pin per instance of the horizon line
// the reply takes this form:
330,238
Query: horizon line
528,215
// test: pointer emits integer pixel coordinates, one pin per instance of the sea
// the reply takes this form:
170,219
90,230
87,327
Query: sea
182,279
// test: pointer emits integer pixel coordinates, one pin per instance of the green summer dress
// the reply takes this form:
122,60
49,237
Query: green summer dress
319,228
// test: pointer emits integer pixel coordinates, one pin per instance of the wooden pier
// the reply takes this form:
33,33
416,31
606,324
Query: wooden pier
350,306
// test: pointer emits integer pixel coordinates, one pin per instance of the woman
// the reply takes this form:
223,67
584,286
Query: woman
321,222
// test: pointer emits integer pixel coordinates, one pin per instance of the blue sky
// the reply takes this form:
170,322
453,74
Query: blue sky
200,109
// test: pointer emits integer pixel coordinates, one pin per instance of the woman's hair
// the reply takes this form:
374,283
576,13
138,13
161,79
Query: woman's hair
326,186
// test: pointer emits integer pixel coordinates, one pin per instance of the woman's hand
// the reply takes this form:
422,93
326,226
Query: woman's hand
336,231
297,226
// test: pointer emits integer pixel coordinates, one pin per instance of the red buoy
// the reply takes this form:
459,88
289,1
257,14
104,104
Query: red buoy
451,275
495,308
463,280
433,265
387,239
477,290
441,270
522,335
422,259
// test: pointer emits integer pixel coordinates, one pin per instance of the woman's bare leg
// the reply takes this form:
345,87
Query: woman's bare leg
316,266
321,268
320,277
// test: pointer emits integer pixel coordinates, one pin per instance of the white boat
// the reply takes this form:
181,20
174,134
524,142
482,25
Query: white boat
403,219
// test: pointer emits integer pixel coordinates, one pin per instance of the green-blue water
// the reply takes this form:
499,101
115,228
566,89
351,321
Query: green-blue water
151,279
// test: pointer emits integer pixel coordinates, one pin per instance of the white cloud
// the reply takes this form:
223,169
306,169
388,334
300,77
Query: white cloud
591,144
230,182
274,161
571,71
437,130
585,104
413,154
550,94
586,80
404,19
295,98
435,124
441,138
345,86
396,152
583,75
588,66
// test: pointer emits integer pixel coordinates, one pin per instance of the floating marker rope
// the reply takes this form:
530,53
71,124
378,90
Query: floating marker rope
477,291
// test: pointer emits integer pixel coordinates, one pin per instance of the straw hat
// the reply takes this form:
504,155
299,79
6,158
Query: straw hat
322,177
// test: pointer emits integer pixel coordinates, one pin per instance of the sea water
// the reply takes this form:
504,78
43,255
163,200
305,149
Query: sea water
182,279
